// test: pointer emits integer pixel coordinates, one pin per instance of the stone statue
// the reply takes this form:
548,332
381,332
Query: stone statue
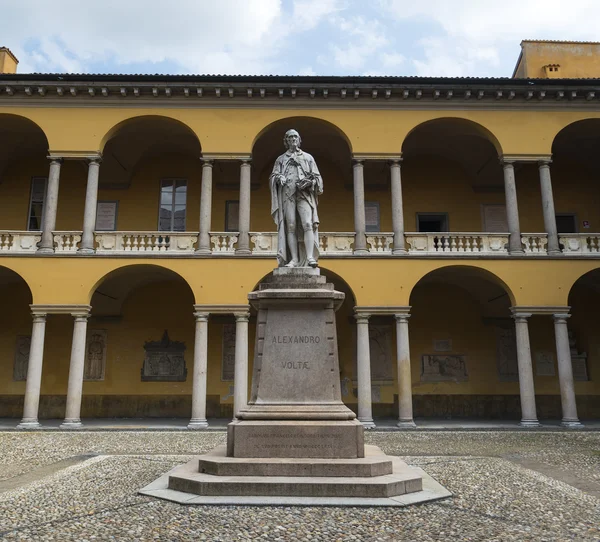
295,186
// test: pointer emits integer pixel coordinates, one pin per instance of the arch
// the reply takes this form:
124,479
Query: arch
285,125
590,278
114,131
582,125
8,275
20,137
132,271
470,127
455,275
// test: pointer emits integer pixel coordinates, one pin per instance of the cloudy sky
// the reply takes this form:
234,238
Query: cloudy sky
287,37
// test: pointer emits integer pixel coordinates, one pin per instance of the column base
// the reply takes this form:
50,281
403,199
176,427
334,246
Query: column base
399,252
33,424
44,250
529,423
406,424
203,251
367,423
243,252
361,252
572,424
197,423
71,424
86,251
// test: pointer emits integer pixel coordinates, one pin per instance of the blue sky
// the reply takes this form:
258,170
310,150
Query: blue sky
287,37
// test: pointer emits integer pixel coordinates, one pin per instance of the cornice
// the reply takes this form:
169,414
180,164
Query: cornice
75,155
221,309
321,92
508,158
75,310
226,156
382,310
540,309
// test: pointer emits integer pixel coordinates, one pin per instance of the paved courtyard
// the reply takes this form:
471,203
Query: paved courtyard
507,485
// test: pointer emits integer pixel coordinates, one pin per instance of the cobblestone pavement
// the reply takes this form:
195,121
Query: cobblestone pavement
83,486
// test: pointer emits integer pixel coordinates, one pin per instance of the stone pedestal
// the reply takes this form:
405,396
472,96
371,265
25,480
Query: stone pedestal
296,441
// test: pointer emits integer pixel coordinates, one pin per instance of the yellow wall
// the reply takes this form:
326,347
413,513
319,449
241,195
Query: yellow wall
576,60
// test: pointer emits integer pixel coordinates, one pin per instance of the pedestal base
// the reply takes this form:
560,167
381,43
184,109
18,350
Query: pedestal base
376,480
298,439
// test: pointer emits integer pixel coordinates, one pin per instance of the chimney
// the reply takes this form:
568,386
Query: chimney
8,61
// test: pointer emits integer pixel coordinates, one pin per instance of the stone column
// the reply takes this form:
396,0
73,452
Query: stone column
548,207
512,210
397,208
526,388
198,420
76,369
360,240
243,244
565,372
240,384
50,207
363,366
405,406
205,208
34,373
89,214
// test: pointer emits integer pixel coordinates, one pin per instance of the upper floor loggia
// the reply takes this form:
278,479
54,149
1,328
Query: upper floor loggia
153,191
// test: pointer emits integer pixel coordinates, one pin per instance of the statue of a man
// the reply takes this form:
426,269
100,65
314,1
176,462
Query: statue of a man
295,186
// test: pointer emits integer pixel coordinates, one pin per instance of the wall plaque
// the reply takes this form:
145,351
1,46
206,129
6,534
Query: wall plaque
95,355
578,360
544,364
106,215
228,360
21,357
506,354
443,368
380,348
164,361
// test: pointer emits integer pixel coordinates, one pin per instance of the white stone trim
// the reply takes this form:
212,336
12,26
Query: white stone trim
221,309
74,310
377,310
540,309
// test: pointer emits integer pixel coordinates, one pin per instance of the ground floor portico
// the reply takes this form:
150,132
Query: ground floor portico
145,340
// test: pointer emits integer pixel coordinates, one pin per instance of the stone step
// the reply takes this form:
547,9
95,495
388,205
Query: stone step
217,463
389,485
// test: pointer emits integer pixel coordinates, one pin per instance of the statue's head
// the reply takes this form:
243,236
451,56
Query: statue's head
290,137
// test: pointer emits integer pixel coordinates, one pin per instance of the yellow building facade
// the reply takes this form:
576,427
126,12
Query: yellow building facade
458,217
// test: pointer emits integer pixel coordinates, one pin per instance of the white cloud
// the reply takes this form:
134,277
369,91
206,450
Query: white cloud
474,32
363,38
307,14
221,37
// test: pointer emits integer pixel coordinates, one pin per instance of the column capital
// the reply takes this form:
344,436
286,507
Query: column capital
242,316
402,317
358,161
207,162
525,158
55,159
561,318
362,317
38,317
201,316
246,161
521,317
80,316
94,160
544,162
397,161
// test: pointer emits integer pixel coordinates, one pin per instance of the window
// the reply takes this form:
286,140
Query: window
432,222
372,216
232,215
173,193
36,203
566,223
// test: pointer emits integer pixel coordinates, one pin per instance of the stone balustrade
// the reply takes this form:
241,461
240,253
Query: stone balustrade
145,242
19,241
331,244
580,243
535,243
66,241
463,243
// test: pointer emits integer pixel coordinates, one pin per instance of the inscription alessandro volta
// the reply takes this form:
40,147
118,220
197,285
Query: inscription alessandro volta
296,339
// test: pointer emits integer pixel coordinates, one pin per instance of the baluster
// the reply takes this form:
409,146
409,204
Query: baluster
58,239
67,242
468,240
3,241
127,243
321,243
446,242
142,246
475,243
135,247
594,244
461,244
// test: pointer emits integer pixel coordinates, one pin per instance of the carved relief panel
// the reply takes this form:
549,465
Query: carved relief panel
164,361
95,355
22,349
443,368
